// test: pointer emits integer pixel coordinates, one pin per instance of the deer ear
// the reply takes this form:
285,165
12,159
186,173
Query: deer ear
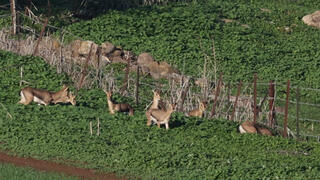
64,87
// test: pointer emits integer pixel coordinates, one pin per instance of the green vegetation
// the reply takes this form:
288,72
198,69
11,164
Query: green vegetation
177,32
192,149
267,37
11,172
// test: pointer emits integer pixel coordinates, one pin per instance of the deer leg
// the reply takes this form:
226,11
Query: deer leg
167,126
158,124
25,99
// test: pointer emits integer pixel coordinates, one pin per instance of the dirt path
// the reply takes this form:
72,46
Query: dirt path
55,167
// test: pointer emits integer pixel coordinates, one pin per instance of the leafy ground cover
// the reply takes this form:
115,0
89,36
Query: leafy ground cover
257,40
9,172
192,149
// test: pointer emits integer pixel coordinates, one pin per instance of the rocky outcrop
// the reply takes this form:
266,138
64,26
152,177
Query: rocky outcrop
156,69
312,19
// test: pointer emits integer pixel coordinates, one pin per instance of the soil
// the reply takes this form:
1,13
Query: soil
48,166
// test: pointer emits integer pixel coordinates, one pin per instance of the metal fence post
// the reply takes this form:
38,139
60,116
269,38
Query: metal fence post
285,122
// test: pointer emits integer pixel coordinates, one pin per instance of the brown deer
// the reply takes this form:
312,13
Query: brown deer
70,98
159,116
200,111
121,107
40,96
251,127
155,104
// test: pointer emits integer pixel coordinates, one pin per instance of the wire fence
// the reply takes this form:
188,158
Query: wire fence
237,101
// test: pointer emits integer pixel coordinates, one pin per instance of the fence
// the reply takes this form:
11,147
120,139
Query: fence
287,109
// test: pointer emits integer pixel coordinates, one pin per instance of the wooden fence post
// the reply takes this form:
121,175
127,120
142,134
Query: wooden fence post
235,103
137,84
213,111
41,35
255,98
298,109
184,95
84,70
90,126
271,104
98,127
126,79
13,16
285,122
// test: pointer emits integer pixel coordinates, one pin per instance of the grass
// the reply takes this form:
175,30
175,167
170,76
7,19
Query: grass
193,148
11,172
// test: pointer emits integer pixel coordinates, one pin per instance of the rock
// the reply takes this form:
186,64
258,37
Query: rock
75,45
85,46
107,48
144,61
312,19
157,70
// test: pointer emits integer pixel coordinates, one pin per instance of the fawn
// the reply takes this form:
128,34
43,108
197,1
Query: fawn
251,127
200,111
121,107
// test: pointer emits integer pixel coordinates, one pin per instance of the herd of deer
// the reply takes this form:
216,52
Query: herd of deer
154,114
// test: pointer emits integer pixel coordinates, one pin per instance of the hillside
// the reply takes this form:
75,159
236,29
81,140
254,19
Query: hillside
267,37
192,149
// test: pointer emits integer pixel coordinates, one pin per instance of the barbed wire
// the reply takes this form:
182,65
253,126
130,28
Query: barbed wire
4,15
301,103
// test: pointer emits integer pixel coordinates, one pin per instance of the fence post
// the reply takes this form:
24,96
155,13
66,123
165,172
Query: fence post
13,16
285,123
298,109
126,79
213,111
184,95
255,98
137,84
39,39
49,8
84,70
271,104
235,103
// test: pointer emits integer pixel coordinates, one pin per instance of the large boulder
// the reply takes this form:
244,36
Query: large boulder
312,19
145,61
157,70
85,46
107,48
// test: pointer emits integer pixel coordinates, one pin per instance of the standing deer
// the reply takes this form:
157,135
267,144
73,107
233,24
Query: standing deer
159,116
200,111
121,107
155,104
40,96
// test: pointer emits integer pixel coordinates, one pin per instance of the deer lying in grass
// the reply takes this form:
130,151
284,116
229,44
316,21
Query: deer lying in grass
121,107
251,127
200,111
155,104
159,116
40,96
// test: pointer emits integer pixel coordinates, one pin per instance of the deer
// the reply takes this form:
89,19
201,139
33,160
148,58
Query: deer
251,127
200,111
159,116
44,97
121,107
70,98
155,105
